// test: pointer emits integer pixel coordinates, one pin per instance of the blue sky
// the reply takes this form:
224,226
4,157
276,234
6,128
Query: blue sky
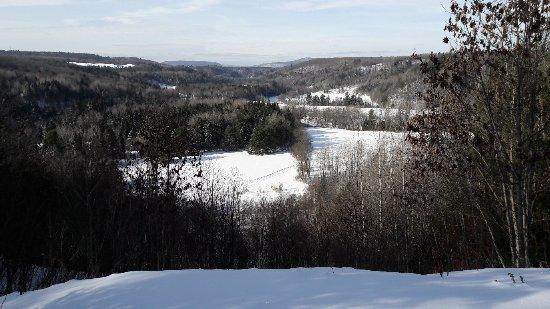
232,32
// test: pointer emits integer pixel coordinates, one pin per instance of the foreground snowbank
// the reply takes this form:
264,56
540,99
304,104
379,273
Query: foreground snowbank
304,288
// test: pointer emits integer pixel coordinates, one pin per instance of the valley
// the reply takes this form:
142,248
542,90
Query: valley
413,181
274,154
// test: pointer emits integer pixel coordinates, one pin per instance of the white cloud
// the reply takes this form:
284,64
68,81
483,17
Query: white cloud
8,3
318,5
189,6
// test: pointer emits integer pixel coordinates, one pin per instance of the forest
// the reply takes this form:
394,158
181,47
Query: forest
467,187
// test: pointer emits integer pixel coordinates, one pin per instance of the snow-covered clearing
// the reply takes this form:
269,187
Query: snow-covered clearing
296,288
341,139
103,65
167,87
273,99
254,177
258,177
247,177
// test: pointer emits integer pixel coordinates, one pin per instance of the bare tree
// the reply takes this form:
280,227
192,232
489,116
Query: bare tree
487,111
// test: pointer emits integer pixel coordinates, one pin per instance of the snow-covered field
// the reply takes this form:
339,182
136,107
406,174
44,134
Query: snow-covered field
268,177
340,139
258,177
102,65
167,87
248,177
296,288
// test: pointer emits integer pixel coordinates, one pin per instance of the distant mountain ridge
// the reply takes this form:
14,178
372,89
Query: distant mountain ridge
75,57
193,63
284,63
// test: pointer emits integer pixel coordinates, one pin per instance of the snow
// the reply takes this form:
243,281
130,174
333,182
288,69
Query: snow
251,177
322,138
340,144
262,177
338,94
374,68
103,65
166,86
295,288
163,85
254,178
273,99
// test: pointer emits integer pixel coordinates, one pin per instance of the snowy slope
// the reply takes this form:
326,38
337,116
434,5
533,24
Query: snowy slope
102,65
262,177
295,288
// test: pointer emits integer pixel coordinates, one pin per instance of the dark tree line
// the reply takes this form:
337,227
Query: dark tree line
348,100
174,130
351,118
195,128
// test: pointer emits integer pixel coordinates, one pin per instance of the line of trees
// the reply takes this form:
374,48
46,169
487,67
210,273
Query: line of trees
348,100
174,130
351,118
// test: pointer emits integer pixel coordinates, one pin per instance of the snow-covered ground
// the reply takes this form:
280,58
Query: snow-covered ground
167,87
248,177
268,177
103,65
259,177
340,139
273,99
296,288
